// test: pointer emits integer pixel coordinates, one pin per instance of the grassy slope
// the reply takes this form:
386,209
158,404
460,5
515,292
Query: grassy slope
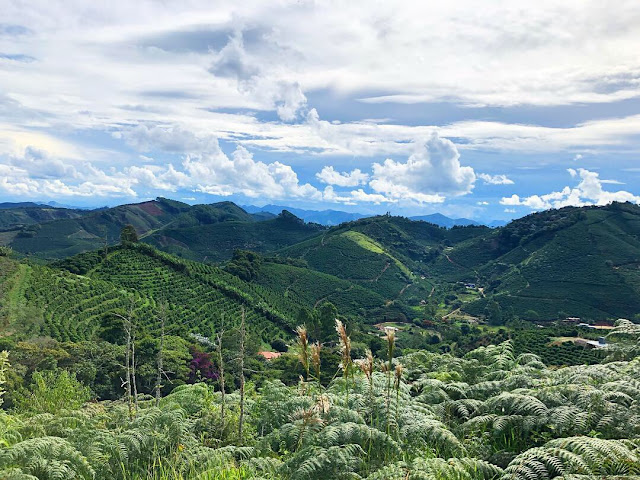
384,254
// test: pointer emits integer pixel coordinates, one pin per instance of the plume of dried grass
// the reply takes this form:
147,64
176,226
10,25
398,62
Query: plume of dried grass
303,354
366,364
345,343
345,350
315,359
398,375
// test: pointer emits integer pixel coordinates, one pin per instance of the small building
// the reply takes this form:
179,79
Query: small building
470,285
574,320
269,355
586,325
600,343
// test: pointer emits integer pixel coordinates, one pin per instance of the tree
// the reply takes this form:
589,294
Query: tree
308,318
243,333
160,360
431,309
493,311
219,336
128,234
129,327
325,319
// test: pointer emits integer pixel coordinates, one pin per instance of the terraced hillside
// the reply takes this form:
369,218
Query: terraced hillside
76,299
308,288
581,262
384,254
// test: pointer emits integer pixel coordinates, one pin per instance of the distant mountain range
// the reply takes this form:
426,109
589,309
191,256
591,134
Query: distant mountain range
336,217
323,217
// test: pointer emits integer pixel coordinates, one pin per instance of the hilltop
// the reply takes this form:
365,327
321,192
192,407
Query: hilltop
17,215
216,241
73,233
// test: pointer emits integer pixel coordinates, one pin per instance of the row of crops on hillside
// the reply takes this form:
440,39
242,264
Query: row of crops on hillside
202,300
309,288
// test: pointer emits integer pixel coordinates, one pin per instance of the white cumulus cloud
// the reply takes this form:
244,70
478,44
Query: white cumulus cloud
495,179
330,176
431,173
588,192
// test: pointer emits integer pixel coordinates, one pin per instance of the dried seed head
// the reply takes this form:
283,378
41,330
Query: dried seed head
323,404
315,356
301,330
366,364
303,341
390,336
399,370
384,366
345,343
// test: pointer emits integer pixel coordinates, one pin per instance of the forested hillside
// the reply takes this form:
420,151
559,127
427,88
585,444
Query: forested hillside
216,241
16,215
581,262
70,235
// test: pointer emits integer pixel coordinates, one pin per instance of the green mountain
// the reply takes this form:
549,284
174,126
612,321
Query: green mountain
54,238
76,299
216,241
20,215
581,262
385,254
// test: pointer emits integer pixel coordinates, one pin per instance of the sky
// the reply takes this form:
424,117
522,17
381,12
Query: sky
488,110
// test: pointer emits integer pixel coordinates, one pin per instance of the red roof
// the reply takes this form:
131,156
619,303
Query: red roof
270,355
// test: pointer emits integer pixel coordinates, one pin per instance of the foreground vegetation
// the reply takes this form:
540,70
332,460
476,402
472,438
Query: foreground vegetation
488,415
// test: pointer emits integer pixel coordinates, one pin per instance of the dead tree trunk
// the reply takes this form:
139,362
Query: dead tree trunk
133,369
127,360
129,356
242,347
160,361
219,336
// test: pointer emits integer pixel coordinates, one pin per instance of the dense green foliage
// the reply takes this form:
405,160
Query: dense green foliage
489,415
217,241
75,233
579,261
77,302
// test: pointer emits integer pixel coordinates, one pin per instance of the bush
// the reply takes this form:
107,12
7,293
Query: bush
52,392
279,345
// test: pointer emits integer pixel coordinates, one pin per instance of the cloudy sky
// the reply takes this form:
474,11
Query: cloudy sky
488,113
